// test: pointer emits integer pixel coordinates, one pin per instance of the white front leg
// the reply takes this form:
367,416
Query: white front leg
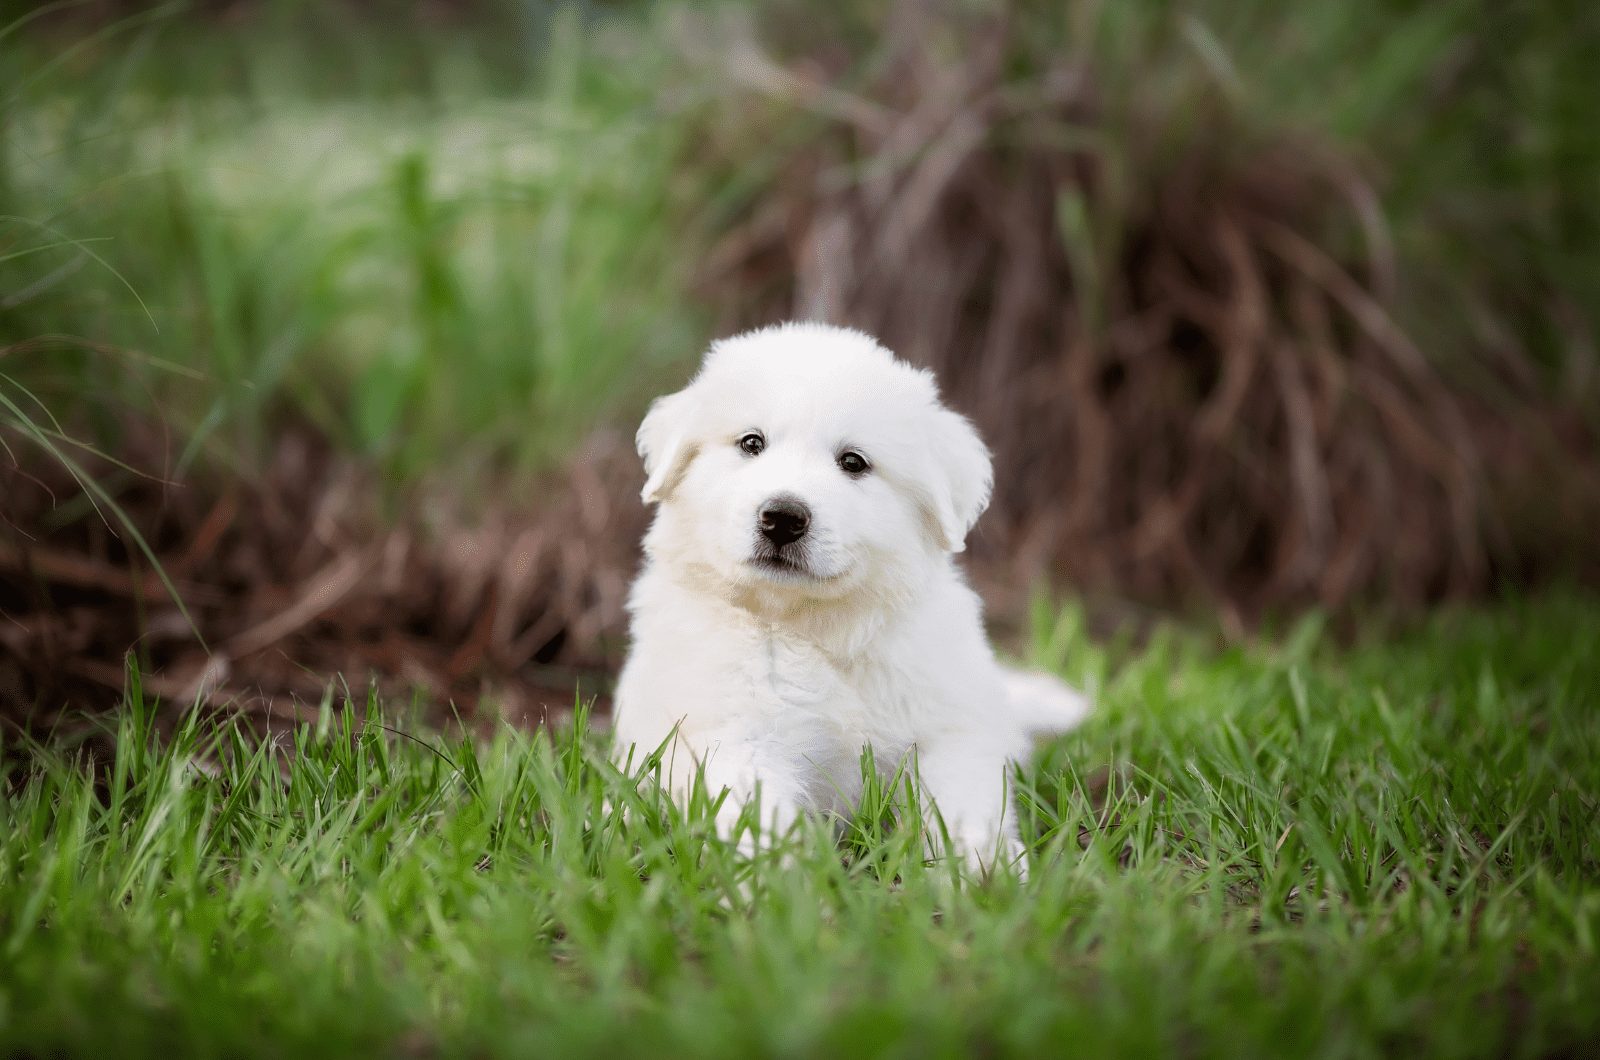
969,784
747,769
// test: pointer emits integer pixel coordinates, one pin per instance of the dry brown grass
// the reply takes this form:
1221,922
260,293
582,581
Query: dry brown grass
1178,335
296,579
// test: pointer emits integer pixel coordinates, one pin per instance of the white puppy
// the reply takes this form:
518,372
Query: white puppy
799,602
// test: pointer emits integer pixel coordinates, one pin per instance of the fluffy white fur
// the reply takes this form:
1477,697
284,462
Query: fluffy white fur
774,677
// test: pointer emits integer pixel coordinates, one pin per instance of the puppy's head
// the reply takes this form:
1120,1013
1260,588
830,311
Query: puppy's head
806,461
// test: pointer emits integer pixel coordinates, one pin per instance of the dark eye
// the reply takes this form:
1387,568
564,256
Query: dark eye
853,463
752,443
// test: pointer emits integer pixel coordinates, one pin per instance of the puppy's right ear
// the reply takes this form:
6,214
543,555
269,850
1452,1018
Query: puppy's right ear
664,444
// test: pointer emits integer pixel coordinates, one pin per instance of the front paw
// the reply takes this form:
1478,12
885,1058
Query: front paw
983,852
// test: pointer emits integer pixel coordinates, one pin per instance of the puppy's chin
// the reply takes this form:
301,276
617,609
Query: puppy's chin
792,577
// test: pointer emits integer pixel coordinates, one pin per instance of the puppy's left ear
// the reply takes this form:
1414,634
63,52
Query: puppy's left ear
664,443
962,477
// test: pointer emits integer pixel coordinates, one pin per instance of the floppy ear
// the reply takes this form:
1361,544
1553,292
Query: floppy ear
960,479
663,443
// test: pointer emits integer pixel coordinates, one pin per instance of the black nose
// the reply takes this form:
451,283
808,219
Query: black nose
783,520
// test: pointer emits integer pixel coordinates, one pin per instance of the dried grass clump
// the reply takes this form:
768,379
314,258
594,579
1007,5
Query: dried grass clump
1176,332
295,579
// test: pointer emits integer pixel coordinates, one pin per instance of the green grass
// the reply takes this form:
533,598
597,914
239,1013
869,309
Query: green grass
443,262
1290,849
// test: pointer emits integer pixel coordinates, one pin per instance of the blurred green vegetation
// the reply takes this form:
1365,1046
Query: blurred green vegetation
477,234
464,237
438,260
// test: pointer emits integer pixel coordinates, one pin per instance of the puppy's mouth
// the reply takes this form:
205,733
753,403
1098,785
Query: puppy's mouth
785,564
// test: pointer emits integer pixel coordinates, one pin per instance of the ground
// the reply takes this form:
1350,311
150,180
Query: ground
1288,849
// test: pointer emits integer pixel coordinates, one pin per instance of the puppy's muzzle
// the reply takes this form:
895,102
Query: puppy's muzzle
783,520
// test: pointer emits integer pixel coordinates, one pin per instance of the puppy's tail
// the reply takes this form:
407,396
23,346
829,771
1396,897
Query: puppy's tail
1042,703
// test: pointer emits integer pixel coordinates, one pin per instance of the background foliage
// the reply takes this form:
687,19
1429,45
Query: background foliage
323,327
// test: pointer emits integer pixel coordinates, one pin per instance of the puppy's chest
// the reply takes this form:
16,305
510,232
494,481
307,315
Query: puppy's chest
796,684
791,676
